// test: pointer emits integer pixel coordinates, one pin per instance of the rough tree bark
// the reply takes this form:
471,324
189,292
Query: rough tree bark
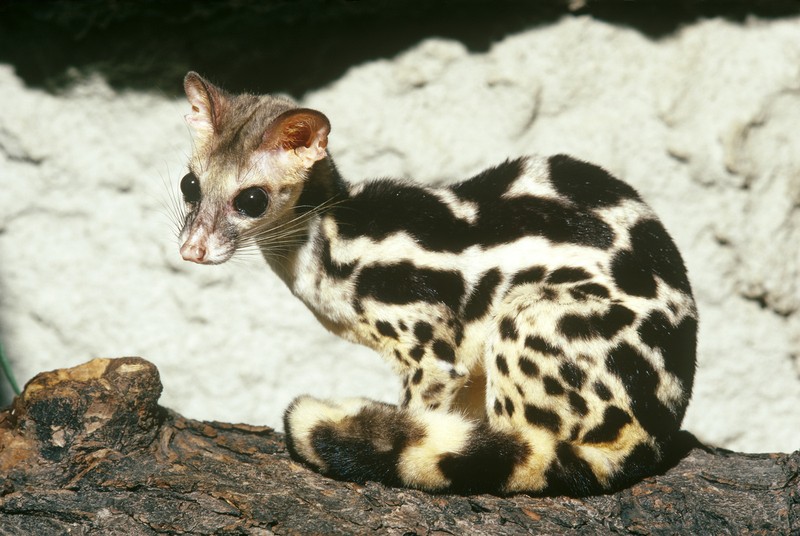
88,450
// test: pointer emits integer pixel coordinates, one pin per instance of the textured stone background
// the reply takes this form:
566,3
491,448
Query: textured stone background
697,109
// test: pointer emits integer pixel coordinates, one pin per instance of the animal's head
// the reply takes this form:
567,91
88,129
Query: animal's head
251,157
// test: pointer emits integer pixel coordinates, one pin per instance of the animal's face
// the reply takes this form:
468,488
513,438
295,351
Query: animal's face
250,159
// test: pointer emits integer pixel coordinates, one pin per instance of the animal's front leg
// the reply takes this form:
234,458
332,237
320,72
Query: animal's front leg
432,384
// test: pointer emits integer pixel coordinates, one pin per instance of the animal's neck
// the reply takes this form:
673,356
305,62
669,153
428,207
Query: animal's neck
324,186
323,189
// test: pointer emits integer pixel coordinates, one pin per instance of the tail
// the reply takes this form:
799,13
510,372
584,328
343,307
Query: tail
360,440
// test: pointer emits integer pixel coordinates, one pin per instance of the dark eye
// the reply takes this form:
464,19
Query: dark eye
190,188
251,202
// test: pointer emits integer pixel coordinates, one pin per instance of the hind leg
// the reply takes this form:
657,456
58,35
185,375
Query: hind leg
549,377
360,440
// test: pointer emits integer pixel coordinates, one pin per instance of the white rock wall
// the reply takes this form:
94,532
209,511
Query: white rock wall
703,123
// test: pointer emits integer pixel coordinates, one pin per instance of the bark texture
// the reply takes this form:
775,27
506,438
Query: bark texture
88,450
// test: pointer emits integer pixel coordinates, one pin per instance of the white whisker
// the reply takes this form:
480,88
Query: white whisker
279,241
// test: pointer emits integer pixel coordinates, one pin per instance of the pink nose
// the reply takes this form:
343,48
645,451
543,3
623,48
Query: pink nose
193,252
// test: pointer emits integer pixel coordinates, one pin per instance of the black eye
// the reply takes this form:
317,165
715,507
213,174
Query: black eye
190,187
251,202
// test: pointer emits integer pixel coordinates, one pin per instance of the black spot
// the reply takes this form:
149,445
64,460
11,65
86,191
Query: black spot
617,317
423,332
404,283
384,207
552,386
529,275
549,294
559,223
433,390
572,374
543,418
491,183
602,391
509,404
417,377
335,269
444,351
508,330
416,353
540,345
652,253
567,275
641,381
502,364
458,334
651,241
402,326
406,398
576,326
606,325
586,184
487,461
614,419
528,367
654,329
482,295
680,352
643,461
577,403
632,276
570,474
398,355
581,292
386,329
498,407
678,344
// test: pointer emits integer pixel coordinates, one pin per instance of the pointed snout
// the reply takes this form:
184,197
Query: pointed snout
204,239
194,252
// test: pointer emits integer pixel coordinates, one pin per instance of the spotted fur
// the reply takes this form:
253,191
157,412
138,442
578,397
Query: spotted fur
538,314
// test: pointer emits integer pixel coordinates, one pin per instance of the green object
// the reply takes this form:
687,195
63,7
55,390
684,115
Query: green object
6,366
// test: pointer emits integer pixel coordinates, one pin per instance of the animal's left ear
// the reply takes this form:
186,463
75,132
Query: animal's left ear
208,103
302,131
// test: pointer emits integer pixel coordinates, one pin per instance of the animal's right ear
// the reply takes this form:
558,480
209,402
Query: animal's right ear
208,103
302,132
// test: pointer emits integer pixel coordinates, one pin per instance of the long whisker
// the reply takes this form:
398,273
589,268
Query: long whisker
173,207
278,242
287,234
292,225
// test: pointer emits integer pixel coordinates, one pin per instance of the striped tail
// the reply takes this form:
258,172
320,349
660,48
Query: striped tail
360,440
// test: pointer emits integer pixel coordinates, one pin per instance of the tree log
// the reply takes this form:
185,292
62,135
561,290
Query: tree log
88,450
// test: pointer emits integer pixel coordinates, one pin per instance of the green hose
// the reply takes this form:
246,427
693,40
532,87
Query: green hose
6,366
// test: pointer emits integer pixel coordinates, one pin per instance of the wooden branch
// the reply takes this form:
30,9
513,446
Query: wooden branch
88,450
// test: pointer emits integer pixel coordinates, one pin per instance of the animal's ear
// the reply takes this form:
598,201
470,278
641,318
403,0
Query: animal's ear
302,131
207,102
